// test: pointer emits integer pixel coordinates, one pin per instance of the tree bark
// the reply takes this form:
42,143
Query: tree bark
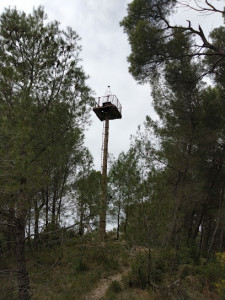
53,221
46,205
36,220
37,210
29,227
10,232
118,222
126,219
22,277
218,220
81,225
20,226
61,194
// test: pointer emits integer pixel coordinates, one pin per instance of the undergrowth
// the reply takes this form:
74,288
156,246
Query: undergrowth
66,268
70,267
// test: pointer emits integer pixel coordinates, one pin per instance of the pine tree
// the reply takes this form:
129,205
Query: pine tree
43,110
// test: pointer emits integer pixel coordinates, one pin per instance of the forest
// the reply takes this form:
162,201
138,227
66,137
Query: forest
165,195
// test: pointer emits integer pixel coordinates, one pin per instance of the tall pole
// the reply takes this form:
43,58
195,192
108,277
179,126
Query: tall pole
102,226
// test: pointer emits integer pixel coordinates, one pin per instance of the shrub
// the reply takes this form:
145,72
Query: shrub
81,265
115,287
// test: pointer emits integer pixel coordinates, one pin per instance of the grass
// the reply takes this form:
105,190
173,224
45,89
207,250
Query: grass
119,291
66,269
72,267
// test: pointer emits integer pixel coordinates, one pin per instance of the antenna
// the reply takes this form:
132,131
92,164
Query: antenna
108,91
108,108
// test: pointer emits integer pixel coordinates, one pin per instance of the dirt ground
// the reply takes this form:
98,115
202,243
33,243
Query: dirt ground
103,285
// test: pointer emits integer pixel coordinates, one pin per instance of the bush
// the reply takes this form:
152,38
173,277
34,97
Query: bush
115,287
113,291
146,270
81,265
220,282
51,235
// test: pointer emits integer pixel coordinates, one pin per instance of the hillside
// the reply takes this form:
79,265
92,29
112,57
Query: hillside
68,266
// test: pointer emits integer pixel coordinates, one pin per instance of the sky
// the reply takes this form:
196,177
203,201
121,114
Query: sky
105,49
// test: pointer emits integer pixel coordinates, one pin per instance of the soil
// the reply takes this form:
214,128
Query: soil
103,285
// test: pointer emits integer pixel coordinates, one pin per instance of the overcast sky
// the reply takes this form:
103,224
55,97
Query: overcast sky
104,52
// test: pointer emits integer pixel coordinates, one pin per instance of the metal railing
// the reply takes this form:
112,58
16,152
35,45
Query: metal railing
112,99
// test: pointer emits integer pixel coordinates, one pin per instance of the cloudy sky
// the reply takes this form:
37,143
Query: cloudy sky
104,52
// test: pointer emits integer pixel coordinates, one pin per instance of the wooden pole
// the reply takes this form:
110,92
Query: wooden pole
102,226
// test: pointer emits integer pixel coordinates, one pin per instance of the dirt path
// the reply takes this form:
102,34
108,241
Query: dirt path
103,285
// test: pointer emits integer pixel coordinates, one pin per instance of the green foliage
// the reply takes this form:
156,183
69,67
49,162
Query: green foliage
155,41
176,155
87,191
44,108
166,192
80,265
39,125
124,178
73,269
149,268
183,148
114,290
6,292
115,287
220,280
51,235
174,274
174,207
146,35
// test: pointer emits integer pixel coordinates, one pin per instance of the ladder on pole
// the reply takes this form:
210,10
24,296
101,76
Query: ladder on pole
102,149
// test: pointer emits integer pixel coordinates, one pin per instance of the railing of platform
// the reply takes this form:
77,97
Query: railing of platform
110,98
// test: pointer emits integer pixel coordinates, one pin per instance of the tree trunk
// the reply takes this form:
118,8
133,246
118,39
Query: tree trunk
10,232
37,210
202,235
61,195
118,222
29,227
20,226
81,225
221,246
218,220
53,221
22,277
126,219
36,220
46,209
149,266
198,223
206,234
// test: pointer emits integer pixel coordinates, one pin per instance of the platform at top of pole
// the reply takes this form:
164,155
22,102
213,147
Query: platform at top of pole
108,107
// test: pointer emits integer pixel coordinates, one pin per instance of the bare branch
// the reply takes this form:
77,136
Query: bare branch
200,33
213,7
210,9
